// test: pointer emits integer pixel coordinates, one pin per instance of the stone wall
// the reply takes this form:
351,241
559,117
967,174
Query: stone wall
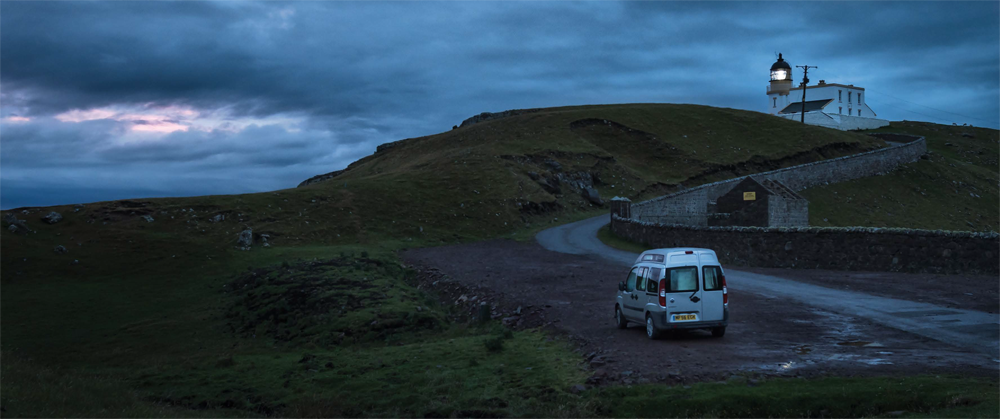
842,122
837,248
784,212
691,206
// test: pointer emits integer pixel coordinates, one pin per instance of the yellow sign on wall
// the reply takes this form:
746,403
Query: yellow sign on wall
749,196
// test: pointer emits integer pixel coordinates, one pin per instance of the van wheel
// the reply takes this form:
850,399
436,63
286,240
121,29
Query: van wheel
651,331
719,331
620,319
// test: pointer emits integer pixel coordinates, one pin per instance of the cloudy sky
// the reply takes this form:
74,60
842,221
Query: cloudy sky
114,100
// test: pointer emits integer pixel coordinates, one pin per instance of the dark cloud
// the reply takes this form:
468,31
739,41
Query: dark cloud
346,76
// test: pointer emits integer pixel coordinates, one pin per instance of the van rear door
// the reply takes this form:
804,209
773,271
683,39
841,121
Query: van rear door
712,299
683,294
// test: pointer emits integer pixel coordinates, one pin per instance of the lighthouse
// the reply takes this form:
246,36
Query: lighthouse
831,105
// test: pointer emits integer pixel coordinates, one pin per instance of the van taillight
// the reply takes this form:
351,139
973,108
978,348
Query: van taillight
725,290
663,292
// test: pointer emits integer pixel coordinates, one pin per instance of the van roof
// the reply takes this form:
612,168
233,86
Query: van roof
674,250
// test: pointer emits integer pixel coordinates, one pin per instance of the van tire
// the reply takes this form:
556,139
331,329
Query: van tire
651,331
620,318
719,331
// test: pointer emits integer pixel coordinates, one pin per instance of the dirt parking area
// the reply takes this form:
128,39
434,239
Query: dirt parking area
968,292
574,296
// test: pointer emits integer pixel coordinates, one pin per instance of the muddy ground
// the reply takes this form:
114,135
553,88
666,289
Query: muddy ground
574,296
968,292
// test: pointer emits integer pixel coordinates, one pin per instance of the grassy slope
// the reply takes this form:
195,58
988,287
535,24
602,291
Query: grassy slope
146,307
955,189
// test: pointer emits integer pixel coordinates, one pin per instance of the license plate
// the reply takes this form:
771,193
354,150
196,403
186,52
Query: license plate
685,317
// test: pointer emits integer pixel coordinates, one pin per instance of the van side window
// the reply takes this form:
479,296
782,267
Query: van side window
640,283
682,279
630,282
713,278
652,282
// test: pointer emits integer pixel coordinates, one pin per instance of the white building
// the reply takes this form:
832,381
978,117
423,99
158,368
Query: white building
832,105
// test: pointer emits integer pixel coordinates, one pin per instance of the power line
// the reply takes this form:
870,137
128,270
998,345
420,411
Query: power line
928,107
907,110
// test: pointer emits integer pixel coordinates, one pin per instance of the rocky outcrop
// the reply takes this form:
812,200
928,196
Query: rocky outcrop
52,217
320,178
245,239
488,116
14,225
148,218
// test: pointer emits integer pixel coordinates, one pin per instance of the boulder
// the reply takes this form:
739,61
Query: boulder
15,225
60,249
148,218
217,218
591,195
52,217
245,239
533,175
577,389
553,164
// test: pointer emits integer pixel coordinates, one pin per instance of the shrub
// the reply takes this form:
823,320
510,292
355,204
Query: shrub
494,344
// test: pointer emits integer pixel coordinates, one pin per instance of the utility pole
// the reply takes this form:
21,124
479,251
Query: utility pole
805,82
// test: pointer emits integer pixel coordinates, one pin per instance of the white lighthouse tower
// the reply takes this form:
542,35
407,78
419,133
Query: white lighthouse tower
832,105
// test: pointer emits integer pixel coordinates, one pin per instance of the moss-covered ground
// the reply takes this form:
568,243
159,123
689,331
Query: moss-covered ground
169,318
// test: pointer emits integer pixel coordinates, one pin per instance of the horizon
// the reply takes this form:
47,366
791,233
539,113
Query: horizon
187,99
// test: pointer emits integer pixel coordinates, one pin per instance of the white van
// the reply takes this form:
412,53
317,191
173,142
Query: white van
678,288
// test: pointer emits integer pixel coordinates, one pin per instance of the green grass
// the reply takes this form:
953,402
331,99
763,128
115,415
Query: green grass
147,322
955,189
611,239
923,396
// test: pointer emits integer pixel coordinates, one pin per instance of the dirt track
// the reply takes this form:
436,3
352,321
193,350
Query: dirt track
574,295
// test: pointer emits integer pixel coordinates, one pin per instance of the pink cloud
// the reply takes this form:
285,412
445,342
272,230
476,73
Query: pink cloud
16,119
77,115
159,126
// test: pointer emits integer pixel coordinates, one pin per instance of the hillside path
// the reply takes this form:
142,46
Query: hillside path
973,330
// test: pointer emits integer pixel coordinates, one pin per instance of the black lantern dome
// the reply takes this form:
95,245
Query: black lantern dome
780,70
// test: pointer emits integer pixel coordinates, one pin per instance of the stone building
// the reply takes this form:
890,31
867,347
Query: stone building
759,202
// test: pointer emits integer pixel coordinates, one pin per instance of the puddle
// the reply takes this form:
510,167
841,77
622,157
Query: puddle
803,350
856,343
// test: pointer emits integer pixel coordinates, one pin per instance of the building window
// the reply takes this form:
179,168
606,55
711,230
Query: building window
859,98
849,111
859,112
840,110
848,97
775,104
840,96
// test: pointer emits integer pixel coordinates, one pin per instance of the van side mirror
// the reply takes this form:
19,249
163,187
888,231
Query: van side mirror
621,286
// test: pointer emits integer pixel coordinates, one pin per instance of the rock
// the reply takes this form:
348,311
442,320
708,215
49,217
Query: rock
60,249
577,389
217,218
16,226
75,262
674,374
788,246
596,362
508,321
626,373
553,164
946,253
245,239
591,195
753,382
52,217
77,207
533,175
967,135
148,218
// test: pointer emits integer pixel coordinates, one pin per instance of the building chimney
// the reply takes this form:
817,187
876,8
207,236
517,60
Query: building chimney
822,82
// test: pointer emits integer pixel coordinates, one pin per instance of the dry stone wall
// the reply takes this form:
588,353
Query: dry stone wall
691,206
837,248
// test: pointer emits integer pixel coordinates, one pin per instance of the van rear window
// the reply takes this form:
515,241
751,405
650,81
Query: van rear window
652,258
682,279
713,278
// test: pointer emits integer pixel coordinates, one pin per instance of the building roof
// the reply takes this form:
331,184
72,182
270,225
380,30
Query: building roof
848,86
811,105
780,64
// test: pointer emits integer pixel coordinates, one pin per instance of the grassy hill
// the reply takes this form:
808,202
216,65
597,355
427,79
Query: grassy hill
955,188
168,318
